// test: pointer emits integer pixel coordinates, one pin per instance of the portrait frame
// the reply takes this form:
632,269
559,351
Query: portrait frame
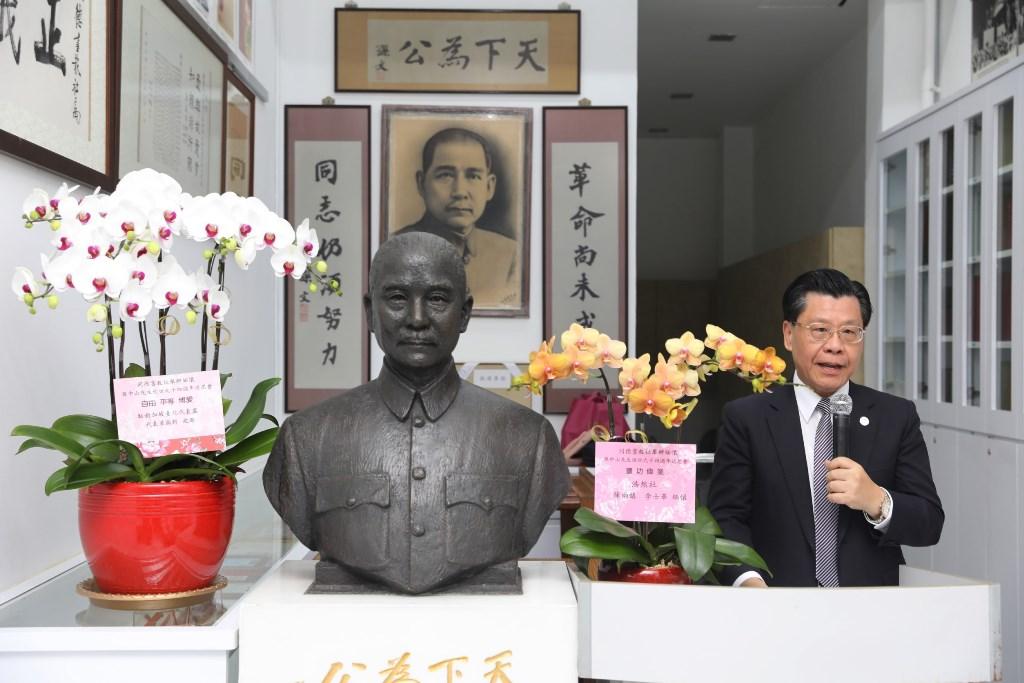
554,34
500,282
599,138
239,136
160,28
28,131
333,130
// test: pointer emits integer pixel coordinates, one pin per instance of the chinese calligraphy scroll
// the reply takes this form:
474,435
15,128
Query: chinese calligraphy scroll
327,180
585,210
172,94
55,64
457,51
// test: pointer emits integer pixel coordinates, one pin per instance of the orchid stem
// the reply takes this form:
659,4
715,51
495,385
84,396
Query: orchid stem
120,349
216,334
144,340
163,340
608,402
110,366
203,335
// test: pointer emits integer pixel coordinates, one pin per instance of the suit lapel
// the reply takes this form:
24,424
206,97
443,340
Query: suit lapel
784,426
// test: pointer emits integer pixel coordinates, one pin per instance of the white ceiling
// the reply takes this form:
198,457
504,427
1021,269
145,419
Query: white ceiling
777,42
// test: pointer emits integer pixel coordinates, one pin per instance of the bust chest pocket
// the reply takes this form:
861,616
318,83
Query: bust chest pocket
480,518
353,518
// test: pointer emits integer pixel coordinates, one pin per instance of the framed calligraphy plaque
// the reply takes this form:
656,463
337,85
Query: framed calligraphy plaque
327,181
56,61
585,229
239,106
399,50
464,174
172,96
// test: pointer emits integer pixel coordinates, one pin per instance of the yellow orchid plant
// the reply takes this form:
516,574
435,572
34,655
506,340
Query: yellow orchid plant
674,379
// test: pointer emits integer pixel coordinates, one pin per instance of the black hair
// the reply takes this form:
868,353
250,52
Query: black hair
453,135
829,282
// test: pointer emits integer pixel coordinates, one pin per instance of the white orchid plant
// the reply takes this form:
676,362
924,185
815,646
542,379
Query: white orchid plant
115,251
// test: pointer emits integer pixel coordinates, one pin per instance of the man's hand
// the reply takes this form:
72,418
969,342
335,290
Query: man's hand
754,582
849,485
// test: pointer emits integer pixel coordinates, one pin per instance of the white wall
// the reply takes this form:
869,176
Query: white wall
809,152
306,71
679,208
50,367
738,210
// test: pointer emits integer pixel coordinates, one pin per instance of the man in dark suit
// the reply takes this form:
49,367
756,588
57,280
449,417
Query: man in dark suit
818,519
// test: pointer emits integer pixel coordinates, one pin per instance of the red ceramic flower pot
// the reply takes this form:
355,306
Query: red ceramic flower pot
162,537
660,574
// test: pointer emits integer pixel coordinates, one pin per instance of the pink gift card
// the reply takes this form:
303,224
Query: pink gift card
645,482
171,413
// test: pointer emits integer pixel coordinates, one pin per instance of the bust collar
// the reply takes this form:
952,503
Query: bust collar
399,395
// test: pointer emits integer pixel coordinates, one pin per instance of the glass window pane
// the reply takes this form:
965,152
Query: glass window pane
945,390
1003,388
923,205
972,390
894,265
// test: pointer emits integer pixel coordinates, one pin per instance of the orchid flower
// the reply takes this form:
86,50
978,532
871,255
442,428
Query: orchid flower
634,372
686,350
610,351
173,286
217,305
136,302
649,399
289,261
58,271
669,377
24,282
306,239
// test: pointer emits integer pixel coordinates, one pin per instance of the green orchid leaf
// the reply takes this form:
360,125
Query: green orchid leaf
705,522
30,443
224,376
86,425
583,542
270,418
56,481
252,411
50,438
744,553
98,473
134,370
154,465
248,448
696,551
225,403
138,462
589,519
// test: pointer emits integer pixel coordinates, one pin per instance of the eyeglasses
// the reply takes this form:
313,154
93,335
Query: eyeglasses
848,334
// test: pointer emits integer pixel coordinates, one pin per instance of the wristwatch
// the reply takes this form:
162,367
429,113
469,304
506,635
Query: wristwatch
886,509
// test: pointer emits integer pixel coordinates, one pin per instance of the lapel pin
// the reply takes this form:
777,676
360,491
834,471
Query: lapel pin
864,421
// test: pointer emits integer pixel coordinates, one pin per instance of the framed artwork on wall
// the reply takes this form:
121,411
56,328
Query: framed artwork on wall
239,107
399,50
56,60
585,229
327,181
171,97
464,174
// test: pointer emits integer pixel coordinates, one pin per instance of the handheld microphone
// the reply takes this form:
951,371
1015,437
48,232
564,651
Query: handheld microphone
842,406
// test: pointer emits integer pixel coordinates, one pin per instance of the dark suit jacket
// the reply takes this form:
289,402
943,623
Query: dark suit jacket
761,496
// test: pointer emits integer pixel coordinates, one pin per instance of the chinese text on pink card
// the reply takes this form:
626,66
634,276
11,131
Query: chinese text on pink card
645,482
171,413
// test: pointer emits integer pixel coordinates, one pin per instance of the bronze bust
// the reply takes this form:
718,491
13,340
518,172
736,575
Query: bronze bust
417,480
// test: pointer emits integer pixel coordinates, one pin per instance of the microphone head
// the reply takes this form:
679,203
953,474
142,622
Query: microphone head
841,404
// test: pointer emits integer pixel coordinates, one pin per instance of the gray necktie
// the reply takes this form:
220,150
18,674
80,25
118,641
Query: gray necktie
826,513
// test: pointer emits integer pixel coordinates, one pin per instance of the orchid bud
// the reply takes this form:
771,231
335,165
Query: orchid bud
313,287
153,248
321,267
190,317
28,225
335,285
27,298
97,338
117,331
208,254
52,301
97,313
55,224
230,244
34,215
32,310
130,235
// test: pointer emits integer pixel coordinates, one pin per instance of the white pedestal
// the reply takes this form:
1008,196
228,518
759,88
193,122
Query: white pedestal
933,627
286,635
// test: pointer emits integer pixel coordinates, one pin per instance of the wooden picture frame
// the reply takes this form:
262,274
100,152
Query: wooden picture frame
586,212
239,136
327,180
489,222
404,50
178,131
59,109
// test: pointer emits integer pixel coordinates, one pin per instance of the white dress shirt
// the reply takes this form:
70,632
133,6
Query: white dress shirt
806,405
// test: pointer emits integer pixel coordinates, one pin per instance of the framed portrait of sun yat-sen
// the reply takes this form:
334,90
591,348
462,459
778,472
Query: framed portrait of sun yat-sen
402,50
464,174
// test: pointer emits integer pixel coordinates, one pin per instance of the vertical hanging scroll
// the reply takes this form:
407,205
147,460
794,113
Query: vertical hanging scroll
585,231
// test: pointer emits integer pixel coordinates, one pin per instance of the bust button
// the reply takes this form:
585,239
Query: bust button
417,530
350,502
418,422
418,473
